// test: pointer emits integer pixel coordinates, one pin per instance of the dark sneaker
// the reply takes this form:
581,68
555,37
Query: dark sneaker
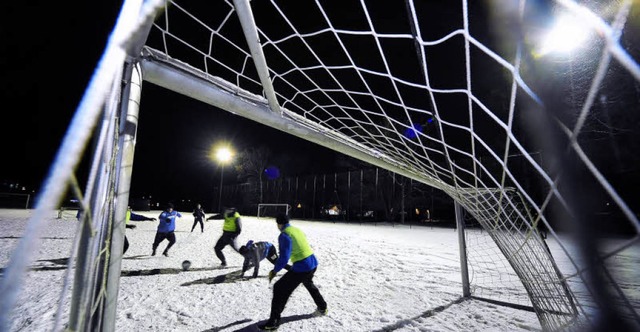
321,312
270,325
166,254
223,264
153,253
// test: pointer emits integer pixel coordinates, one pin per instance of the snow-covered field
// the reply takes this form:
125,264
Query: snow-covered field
373,277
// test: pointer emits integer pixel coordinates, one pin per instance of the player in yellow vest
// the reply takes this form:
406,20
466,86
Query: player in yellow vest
231,228
293,246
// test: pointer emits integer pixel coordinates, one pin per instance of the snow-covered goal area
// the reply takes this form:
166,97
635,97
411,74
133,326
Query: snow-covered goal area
471,97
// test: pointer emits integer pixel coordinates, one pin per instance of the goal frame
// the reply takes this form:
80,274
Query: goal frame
25,197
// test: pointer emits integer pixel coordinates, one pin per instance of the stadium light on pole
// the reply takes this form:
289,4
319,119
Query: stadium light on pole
223,156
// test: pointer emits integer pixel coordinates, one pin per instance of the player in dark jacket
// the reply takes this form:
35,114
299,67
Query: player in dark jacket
198,217
254,252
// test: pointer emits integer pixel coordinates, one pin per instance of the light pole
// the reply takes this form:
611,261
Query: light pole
220,196
223,155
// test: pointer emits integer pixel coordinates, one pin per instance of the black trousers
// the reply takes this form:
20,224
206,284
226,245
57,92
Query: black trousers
284,287
195,222
227,238
170,236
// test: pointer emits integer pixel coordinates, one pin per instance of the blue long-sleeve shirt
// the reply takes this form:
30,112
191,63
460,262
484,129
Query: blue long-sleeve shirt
167,221
285,243
139,217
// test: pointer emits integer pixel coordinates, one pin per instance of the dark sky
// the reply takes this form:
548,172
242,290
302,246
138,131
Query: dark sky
49,52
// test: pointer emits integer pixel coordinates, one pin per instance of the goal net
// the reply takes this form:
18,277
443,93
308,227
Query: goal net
272,210
468,97
15,201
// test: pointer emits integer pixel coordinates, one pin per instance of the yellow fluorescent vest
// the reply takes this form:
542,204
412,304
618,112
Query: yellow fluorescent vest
128,216
300,248
230,223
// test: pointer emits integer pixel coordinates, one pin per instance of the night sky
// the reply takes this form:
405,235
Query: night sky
49,54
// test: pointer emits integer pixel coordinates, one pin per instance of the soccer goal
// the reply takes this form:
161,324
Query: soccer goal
272,210
473,98
14,201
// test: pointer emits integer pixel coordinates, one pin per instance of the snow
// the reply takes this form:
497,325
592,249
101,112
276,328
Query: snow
373,277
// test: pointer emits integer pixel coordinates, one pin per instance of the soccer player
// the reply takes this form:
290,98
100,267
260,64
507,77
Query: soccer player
166,228
231,228
293,246
254,252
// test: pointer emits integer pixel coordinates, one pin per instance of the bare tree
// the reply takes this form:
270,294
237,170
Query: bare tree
251,164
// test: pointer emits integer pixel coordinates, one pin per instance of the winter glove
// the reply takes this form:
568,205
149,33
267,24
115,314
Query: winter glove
272,275
130,226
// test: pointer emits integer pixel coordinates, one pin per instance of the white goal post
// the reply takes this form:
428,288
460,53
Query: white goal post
271,210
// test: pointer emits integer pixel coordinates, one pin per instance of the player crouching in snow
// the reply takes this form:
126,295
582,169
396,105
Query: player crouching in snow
254,252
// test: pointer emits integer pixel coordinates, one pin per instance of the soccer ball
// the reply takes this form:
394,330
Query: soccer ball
186,265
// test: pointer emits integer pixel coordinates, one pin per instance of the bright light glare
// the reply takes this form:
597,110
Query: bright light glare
567,35
223,155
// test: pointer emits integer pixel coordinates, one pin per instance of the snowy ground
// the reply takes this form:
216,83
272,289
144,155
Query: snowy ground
374,278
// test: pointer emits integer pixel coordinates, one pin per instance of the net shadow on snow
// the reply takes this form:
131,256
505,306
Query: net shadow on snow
61,262
221,279
40,268
426,314
137,257
283,320
216,329
133,273
58,261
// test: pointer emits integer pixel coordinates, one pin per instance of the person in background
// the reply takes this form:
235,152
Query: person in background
254,252
231,228
293,245
135,217
166,228
198,217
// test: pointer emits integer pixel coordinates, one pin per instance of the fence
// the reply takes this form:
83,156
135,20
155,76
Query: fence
358,195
